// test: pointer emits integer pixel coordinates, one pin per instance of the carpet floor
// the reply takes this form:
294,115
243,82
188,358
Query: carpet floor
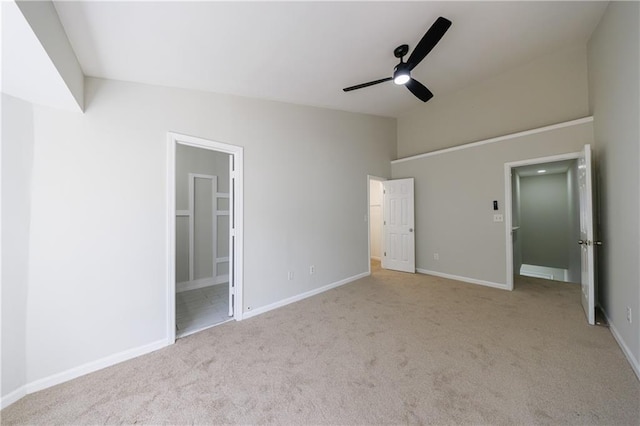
392,348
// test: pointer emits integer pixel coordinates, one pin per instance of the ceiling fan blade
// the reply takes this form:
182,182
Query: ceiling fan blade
419,90
429,40
371,83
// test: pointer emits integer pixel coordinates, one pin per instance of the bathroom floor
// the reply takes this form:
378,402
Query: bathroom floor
201,308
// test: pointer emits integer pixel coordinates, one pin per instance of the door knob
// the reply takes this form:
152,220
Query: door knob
597,243
581,242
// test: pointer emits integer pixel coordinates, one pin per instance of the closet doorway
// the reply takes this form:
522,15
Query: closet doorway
205,225
546,221
374,192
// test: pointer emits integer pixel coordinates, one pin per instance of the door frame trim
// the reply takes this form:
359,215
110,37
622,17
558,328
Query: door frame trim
237,152
508,202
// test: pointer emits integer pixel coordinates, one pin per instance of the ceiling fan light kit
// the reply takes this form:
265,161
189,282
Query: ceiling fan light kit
402,71
401,75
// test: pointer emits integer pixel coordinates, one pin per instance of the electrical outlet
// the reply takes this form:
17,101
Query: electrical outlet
629,315
436,256
498,218
290,275
312,269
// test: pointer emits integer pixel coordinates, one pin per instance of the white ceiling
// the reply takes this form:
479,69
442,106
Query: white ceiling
549,168
306,52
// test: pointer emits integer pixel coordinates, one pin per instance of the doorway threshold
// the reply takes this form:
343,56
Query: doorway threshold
199,329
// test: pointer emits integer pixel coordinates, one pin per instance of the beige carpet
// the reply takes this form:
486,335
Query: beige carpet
393,348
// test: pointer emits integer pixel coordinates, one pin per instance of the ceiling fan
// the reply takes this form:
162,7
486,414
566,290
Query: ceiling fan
402,71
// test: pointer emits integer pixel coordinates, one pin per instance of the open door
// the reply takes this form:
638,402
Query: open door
398,226
586,240
232,235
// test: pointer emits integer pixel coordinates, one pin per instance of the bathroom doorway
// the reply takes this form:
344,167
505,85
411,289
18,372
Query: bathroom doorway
205,234
202,238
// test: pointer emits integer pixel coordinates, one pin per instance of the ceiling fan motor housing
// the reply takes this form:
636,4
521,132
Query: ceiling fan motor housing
401,50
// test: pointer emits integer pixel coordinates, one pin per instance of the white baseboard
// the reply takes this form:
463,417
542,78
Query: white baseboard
201,283
464,279
545,272
635,365
92,366
12,397
284,302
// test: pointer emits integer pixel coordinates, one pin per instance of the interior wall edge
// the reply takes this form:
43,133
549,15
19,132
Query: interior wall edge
301,296
93,366
635,364
13,397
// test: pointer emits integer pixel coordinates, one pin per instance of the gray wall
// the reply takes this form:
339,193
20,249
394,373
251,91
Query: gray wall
203,161
614,58
99,226
544,220
454,193
17,164
207,162
454,190
546,91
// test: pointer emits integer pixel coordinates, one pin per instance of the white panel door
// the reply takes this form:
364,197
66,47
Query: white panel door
232,227
586,234
398,226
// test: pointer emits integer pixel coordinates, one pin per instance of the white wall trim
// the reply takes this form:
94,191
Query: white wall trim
12,397
498,139
635,365
464,279
508,203
81,370
302,296
201,283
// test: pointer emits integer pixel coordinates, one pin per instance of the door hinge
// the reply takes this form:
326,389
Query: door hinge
384,222
385,254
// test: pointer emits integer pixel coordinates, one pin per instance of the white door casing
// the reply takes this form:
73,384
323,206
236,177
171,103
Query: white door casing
236,205
585,188
398,225
586,233
231,236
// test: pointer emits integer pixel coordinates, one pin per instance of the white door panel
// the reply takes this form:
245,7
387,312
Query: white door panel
586,233
398,224
232,278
